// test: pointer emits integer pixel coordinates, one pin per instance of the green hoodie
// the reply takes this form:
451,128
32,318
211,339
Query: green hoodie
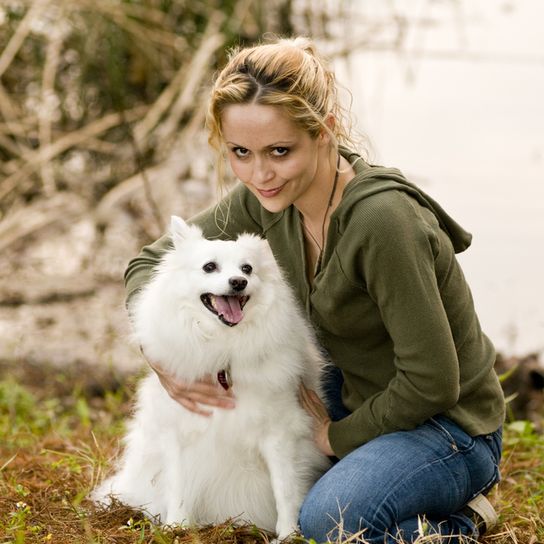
389,303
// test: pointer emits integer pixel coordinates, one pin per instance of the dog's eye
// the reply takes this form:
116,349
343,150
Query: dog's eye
209,267
247,269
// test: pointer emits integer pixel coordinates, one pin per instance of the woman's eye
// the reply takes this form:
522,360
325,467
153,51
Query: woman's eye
209,267
280,151
240,152
247,269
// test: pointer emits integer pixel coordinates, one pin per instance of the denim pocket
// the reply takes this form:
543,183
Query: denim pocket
459,439
494,442
485,462
492,479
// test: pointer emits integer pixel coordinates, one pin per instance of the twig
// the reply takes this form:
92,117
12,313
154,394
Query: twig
7,107
48,88
18,129
186,78
124,190
10,460
20,35
103,147
36,216
6,143
159,107
66,142
139,31
9,111
118,100
17,126
197,70
145,13
147,186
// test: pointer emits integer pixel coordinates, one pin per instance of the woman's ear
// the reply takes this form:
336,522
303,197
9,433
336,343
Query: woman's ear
329,122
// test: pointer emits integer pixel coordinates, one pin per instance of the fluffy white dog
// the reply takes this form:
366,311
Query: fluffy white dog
215,306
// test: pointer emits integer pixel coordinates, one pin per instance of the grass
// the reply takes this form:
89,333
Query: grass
60,430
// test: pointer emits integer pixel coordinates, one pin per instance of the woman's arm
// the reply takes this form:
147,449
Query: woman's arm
399,249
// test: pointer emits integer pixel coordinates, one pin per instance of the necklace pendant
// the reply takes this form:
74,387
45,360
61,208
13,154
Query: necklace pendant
224,379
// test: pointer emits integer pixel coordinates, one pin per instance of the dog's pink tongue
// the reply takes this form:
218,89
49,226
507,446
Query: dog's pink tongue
229,308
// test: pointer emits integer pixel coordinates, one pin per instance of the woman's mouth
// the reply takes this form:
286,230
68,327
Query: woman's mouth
269,193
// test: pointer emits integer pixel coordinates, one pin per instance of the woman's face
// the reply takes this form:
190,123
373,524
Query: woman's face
273,157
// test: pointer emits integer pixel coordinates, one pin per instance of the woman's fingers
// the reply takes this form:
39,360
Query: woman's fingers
194,407
305,400
313,404
318,411
209,386
305,397
206,391
212,400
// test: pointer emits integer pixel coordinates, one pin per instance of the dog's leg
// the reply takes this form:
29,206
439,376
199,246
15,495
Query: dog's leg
280,453
176,513
179,502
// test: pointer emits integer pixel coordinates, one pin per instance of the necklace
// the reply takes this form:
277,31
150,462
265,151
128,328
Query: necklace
329,204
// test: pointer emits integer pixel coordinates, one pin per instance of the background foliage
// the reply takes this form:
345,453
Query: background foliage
101,139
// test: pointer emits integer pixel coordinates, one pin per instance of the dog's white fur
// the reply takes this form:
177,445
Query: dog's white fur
255,462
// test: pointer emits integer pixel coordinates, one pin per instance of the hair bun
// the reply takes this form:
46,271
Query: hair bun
300,42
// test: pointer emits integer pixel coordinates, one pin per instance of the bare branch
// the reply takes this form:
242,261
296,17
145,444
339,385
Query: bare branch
127,188
20,35
186,80
52,58
26,221
66,142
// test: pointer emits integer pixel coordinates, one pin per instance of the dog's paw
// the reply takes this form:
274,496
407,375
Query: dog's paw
102,497
176,516
285,532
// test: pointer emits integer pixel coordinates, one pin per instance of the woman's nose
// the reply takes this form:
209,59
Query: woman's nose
262,172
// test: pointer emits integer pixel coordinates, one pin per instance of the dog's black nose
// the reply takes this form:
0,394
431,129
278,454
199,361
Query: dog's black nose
238,283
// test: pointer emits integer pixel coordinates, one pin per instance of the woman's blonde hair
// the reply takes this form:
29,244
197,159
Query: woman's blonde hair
288,73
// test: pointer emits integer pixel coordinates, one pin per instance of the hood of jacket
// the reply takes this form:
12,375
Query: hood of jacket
371,179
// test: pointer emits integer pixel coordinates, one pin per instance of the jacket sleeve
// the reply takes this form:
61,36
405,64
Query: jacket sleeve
238,212
396,262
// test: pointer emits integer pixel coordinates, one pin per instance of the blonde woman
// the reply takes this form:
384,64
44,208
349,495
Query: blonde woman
415,408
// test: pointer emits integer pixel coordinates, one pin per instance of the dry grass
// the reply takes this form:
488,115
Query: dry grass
58,432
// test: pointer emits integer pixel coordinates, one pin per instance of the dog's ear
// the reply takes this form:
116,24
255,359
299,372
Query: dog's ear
261,247
253,242
181,231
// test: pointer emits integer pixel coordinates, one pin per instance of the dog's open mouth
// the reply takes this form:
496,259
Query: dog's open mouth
227,308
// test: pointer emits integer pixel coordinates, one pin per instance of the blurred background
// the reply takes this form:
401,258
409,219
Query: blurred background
101,139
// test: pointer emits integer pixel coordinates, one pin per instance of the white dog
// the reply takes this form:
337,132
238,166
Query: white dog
217,306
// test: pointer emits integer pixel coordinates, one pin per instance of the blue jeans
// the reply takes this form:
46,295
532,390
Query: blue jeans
389,485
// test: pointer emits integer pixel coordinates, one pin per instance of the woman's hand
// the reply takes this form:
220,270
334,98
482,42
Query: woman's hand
315,407
207,392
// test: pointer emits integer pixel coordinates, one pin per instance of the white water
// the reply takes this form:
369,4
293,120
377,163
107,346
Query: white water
464,118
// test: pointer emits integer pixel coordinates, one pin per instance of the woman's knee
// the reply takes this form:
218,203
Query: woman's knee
328,521
316,517
335,508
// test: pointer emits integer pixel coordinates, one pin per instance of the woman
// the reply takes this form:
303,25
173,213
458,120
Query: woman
415,409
